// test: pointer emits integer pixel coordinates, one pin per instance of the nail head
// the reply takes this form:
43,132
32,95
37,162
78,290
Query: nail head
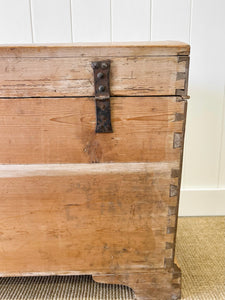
101,88
100,75
104,65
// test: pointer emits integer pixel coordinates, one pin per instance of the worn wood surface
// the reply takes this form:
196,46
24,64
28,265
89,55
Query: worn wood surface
154,285
89,218
77,202
160,48
63,130
150,69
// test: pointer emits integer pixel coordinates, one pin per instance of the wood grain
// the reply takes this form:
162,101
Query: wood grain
63,130
84,218
154,285
118,49
77,202
66,71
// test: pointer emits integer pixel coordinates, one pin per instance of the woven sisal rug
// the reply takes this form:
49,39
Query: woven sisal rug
200,254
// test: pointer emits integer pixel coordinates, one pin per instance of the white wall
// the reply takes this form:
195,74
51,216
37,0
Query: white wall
198,22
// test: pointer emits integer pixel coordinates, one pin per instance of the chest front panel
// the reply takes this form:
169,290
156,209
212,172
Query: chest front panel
62,130
82,202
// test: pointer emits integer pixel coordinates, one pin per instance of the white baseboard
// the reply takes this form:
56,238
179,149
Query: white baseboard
202,202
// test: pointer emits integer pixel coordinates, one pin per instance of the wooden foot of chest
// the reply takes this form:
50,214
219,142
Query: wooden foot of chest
157,284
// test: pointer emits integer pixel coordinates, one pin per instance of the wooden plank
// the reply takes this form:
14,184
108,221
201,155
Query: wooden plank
171,20
91,20
49,72
51,21
84,218
15,22
49,130
153,285
162,48
124,28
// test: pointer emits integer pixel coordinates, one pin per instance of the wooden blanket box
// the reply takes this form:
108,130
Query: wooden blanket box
90,162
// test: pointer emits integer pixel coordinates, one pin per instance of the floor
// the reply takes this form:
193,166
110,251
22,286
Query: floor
200,253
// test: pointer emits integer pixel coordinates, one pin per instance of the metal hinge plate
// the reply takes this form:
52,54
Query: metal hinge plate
102,96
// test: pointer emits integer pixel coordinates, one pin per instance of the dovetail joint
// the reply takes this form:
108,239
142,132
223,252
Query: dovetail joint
169,245
168,263
183,76
177,140
173,190
180,92
175,173
179,117
176,275
171,230
176,286
182,99
172,211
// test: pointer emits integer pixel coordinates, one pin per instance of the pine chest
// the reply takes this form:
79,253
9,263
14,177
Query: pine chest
91,151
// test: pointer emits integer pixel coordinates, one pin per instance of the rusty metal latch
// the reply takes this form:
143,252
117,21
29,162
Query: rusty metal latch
102,96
